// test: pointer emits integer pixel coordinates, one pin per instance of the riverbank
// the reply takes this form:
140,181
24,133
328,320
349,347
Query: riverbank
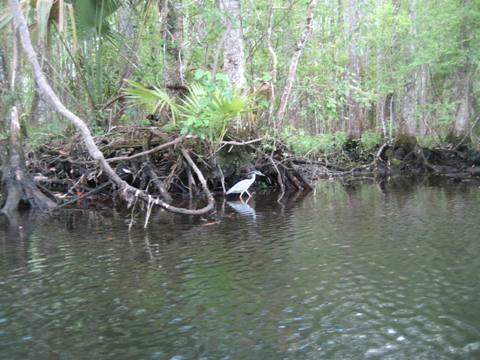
154,161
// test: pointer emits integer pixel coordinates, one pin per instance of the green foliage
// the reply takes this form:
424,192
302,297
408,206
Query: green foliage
210,106
309,145
394,41
370,140
153,99
91,17
205,111
45,133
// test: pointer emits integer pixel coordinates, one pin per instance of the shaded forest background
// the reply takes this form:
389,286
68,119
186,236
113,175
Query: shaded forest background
367,69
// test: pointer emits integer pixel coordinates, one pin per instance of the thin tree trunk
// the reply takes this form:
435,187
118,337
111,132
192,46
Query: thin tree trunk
233,51
422,100
128,56
409,98
173,40
4,86
273,71
129,193
292,71
356,113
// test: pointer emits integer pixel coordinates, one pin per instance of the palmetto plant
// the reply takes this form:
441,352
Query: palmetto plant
205,110
153,99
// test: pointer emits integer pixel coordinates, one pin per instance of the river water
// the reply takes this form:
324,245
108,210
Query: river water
366,271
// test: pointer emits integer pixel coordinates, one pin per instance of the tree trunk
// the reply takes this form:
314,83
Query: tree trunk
292,71
464,96
424,80
40,112
463,81
173,40
17,182
128,56
233,51
273,71
410,92
356,113
4,86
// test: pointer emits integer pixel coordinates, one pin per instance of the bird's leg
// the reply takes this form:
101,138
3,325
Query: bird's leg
249,195
241,194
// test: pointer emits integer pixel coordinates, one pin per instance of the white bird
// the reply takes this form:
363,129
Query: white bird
242,186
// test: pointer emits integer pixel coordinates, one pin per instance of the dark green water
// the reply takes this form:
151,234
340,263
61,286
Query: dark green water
365,272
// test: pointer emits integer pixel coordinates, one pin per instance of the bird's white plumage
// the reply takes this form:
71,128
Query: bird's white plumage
242,186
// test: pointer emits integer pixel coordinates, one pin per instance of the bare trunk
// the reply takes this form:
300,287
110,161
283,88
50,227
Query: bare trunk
409,108
464,109
356,113
40,112
381,100
173,40
4,86
128,48
423,127
273,72
463,84
292,71
410,91
18,183
233,51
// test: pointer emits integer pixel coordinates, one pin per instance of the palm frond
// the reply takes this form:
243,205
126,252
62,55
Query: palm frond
154,99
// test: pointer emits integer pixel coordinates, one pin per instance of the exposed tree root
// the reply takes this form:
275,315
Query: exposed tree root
18,183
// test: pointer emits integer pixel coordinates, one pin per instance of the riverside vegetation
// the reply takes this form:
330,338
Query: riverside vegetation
145,99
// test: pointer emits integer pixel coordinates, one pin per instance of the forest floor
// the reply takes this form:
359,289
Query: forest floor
151,160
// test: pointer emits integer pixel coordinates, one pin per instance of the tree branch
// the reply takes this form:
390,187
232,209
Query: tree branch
128,192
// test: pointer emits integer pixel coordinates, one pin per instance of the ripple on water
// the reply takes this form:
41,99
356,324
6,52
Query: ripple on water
359,276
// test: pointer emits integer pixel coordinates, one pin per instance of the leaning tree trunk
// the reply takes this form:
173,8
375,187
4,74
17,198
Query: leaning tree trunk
233,50
292,71
128,192
40,112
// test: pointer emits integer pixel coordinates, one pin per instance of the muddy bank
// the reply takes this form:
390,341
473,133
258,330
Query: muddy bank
154,161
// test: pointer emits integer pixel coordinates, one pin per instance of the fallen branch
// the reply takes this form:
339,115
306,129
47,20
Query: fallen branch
152,150
240,143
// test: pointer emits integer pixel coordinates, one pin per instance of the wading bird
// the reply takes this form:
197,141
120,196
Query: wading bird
242,186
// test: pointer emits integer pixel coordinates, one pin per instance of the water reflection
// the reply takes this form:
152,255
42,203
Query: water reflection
355,271
244,209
